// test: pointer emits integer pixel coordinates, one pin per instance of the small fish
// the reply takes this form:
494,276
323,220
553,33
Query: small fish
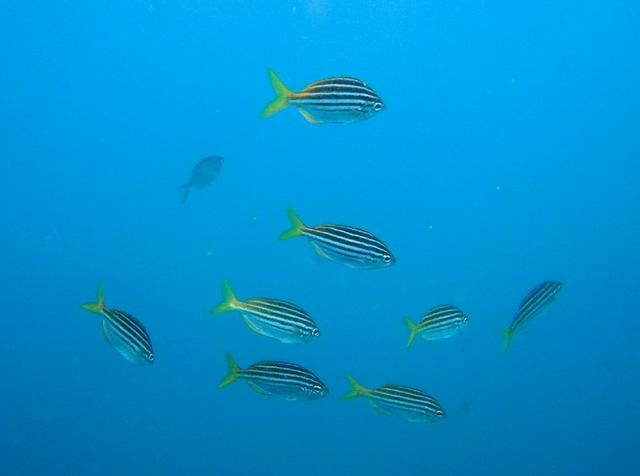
406,402
345,244
339,100
123,332
281,320
204,172
440,322
536,301
290,381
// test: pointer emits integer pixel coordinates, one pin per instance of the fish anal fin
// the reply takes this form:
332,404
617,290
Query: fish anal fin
256,388
307,116
252,326
105,334
319,251
377,409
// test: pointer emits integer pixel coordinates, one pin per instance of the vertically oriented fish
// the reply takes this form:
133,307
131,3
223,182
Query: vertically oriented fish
440,322
267,377
270,317
204,172
123,332
406,402
345,244
536,301
339,100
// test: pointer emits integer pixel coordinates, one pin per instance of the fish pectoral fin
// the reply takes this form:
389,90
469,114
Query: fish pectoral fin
307,116
256,388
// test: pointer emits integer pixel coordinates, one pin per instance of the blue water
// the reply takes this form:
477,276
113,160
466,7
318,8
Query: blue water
508,154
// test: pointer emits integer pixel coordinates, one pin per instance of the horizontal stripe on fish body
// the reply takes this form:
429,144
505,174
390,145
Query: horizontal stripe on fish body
535,302
280,315
284,378
346,243
408,401
130,332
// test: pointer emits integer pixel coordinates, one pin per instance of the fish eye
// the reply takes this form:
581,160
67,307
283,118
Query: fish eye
386,258
377,106
317,388
315,332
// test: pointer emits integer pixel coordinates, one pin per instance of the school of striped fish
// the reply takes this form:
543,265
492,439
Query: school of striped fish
336,100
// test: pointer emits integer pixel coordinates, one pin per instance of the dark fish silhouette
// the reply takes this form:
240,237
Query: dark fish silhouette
203,174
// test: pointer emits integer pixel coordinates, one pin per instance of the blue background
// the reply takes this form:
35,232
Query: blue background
508,154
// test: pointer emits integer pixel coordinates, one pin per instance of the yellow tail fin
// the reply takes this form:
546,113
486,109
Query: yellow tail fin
232,371
282,96
413,329
506,333
229,300
356,389
297,227
95,306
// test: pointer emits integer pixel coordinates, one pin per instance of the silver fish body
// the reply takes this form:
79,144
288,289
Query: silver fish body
351,246
273,318
337,100
123,332
533,304
408,403
127,336
284,379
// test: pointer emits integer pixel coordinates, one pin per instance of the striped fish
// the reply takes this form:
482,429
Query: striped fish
352,246
269,317
440,322
406,402
290,381
339,100
536,301
123,332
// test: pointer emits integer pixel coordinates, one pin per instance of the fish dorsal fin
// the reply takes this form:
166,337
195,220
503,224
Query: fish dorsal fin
307,116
